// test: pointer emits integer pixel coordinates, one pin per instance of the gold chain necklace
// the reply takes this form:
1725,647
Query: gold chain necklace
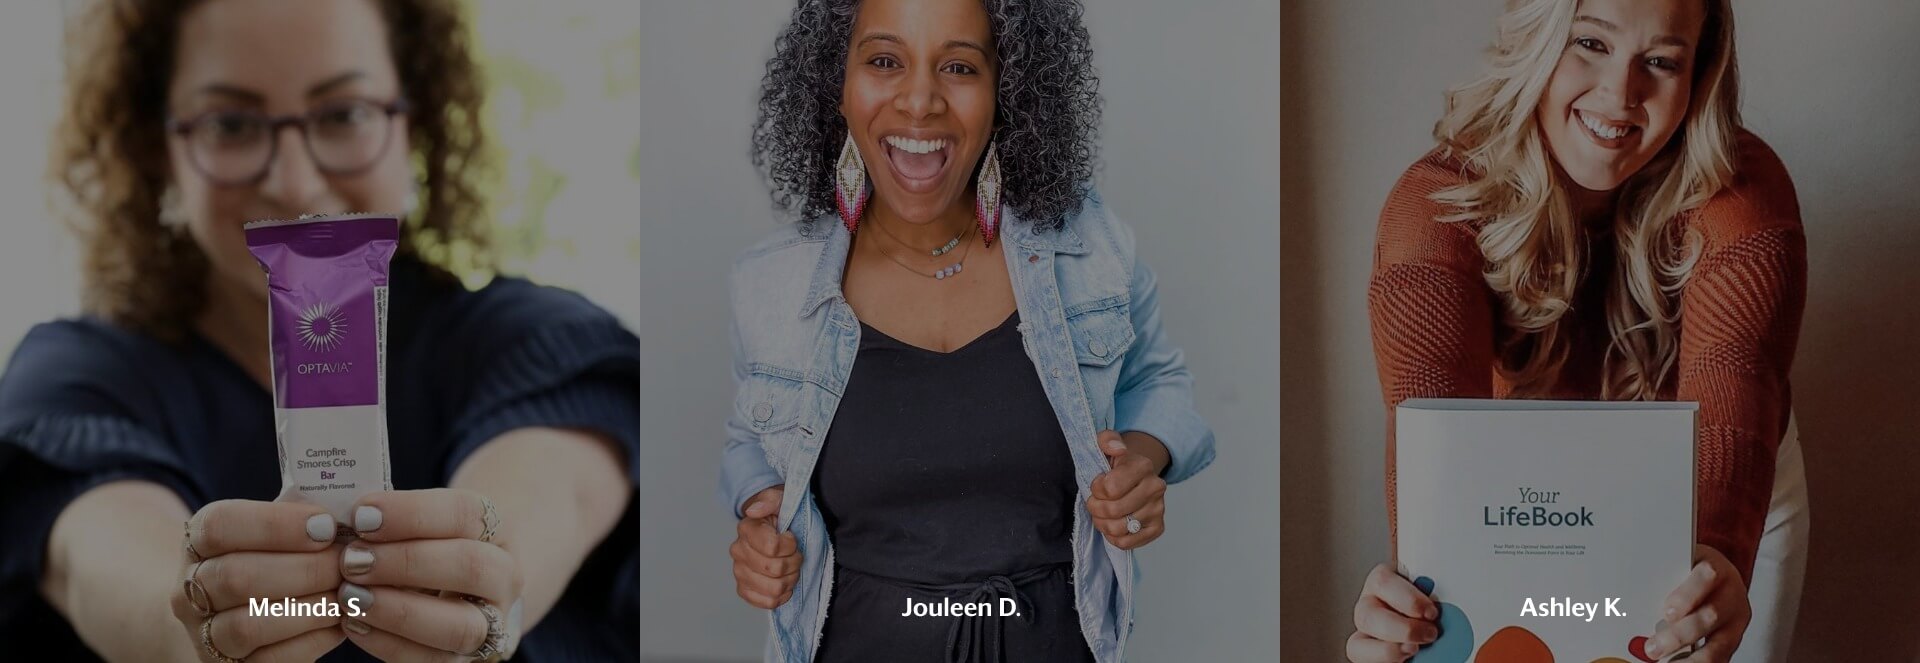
938,274
933,253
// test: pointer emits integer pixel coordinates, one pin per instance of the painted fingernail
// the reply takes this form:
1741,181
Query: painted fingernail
1409,648
1116,445
356,560
1431,612
366,519
357,626
355,596
1655,650
320,527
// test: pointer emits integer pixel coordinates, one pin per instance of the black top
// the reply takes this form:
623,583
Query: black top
83,403
946,475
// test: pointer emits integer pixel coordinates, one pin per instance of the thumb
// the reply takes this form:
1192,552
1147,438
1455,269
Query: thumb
763,504
1112,445
1113,448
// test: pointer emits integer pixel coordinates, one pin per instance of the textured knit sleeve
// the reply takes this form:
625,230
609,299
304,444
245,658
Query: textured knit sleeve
1431,312
523,356
1740,319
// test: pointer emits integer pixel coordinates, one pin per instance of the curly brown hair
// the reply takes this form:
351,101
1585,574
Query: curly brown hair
110,154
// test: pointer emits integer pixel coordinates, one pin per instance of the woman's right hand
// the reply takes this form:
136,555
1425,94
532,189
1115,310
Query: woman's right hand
1391,620
766,561
248,549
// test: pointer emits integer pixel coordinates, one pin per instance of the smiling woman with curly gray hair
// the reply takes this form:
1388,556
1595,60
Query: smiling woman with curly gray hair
1046,114
956,413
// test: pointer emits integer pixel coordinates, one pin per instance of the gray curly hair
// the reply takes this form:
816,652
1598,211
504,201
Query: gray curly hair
1046,113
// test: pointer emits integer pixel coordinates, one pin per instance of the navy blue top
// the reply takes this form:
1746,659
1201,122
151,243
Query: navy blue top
84,402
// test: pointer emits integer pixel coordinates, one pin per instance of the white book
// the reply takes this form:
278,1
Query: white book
1529,517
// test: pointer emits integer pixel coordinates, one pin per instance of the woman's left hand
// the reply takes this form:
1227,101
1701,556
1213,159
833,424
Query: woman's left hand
1132,489
1712,604
451,544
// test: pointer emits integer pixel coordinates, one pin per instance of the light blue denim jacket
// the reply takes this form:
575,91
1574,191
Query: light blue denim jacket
1090,324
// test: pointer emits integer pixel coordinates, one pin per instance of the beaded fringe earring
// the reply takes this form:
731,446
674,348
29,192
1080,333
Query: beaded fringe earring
986,197
850,190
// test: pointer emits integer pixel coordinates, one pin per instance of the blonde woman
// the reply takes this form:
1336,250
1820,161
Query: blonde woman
1595,223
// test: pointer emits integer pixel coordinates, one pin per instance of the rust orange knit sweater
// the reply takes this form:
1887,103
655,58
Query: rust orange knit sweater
1436,324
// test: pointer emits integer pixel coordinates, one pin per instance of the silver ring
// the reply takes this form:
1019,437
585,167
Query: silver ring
197,593
206,642
489,520
496,630
1133,525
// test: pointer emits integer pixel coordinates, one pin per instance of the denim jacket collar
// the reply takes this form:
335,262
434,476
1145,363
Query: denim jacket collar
832,265
1059,240
825,285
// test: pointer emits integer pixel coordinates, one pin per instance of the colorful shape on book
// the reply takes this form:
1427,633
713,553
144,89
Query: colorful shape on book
1513,644
1611,659
1638,646
1424,584
1456,636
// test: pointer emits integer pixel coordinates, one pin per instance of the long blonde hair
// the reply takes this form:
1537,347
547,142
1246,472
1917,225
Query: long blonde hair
1534,246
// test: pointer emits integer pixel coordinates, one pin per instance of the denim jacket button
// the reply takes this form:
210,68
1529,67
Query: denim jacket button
1033,258
1056,373
1099,349
762,412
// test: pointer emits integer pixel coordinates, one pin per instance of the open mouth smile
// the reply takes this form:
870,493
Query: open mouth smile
917,163
1610,134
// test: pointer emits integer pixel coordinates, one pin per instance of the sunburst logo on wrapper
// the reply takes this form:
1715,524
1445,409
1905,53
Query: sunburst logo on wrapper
321,327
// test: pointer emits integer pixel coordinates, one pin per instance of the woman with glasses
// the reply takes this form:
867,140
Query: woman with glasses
137,451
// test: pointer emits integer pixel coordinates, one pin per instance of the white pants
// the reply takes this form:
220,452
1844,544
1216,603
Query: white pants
1781,565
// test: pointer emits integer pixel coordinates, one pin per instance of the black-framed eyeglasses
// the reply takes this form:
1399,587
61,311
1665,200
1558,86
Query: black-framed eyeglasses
237,147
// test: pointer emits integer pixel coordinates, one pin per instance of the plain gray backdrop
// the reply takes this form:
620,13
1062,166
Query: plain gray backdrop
1191,149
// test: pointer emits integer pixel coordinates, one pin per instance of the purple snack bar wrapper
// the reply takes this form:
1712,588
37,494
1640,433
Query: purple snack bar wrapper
327,326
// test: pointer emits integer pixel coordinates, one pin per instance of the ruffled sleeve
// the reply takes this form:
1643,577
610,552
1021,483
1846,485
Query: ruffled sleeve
77,410
534,356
